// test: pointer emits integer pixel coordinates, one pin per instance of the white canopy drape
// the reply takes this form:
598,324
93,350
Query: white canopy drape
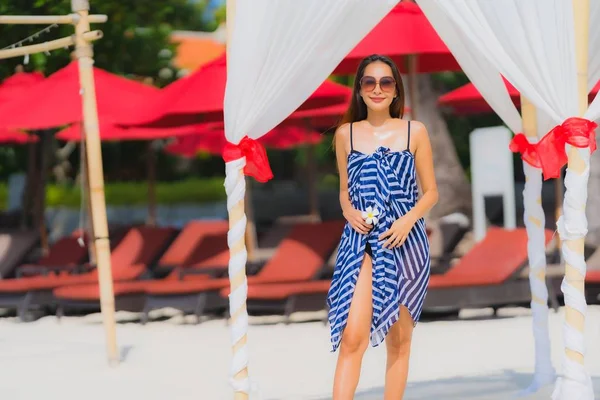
488,80
532,43
279,53
594,45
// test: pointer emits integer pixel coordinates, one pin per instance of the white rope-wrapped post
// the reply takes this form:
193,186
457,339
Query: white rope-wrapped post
534,219
576,383
544,372
235,186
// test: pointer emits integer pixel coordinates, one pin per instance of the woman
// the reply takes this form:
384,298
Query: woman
382,266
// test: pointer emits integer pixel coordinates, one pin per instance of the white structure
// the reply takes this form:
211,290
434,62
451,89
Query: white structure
279,53
281,50
491,175
542,47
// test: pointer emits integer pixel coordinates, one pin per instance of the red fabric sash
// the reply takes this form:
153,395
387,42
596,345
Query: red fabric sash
549,153
257,162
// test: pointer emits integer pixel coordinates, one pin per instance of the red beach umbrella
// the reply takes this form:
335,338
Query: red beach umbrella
56,101
404,31
199,98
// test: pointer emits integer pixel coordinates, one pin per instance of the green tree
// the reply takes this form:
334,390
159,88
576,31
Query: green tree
136,37
136,44
220,15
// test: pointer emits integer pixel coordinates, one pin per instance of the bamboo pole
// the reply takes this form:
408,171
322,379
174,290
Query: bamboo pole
576,382
49,46
85,59
49,19
239,319
577,164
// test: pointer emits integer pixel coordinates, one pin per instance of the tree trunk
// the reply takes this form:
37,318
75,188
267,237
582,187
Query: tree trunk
592,211
453,187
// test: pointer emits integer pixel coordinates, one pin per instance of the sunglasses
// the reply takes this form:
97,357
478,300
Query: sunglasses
387,83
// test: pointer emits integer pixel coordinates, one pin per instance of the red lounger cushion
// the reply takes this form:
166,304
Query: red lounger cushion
592,276
171,286
298,258
199,242
490,262
54,281
91,292
281,291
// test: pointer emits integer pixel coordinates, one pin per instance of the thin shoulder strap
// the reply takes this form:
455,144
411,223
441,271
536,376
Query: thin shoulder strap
408,138
351,141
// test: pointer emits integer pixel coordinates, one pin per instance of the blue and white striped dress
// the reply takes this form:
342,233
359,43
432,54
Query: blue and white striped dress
386,180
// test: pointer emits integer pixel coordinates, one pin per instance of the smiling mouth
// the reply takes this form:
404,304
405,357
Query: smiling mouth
377,99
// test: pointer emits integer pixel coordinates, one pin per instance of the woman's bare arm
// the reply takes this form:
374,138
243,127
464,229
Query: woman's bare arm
342,135
342,148
425,171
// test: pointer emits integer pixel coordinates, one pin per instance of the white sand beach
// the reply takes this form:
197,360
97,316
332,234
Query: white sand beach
477,357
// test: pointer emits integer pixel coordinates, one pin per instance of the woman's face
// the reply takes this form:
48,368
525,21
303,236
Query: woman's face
377,86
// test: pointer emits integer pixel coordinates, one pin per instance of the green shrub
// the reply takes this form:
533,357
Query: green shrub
329,181
136,193
3,195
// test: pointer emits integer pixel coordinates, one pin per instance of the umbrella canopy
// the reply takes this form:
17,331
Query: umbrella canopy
199,97
112,132
56,101
16,137
212,140
324,117
466,100
404,31
13,86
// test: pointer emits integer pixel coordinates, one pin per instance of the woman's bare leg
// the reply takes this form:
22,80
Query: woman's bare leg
355,338
398,342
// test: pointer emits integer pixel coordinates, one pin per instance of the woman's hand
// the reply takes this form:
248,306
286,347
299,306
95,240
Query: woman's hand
354,217
398,232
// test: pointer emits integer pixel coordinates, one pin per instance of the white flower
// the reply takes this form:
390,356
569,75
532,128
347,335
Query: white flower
370,215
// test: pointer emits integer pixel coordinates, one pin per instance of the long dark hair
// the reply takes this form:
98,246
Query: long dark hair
357,111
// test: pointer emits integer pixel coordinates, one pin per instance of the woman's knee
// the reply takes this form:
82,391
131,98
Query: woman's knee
398,340
354,342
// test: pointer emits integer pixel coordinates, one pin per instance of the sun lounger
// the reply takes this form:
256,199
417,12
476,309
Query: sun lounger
14,248
129,260
443,240
300,257
66,254
312,295
201,245
487,276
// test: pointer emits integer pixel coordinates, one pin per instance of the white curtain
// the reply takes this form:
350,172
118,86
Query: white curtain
593,53
532,44
481,72
280,52
594,45
485,76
